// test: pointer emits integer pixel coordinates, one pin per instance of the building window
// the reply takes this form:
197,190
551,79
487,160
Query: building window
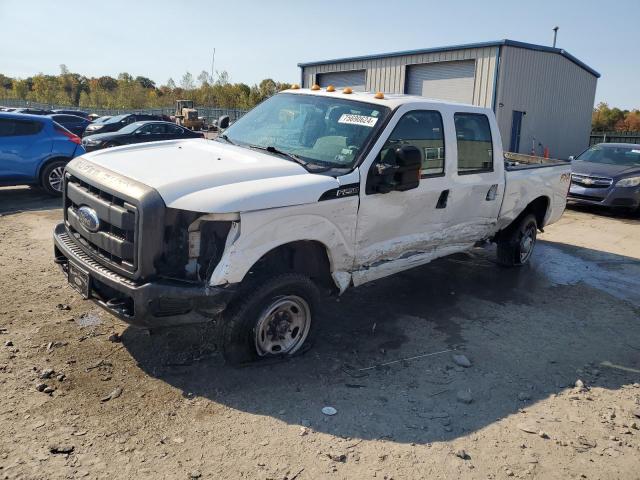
475,148
421,129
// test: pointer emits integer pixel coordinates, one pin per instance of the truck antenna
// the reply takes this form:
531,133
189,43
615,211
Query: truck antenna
555,35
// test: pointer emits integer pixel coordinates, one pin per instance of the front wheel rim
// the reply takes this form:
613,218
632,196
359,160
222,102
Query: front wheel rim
527,243
283,326
55,179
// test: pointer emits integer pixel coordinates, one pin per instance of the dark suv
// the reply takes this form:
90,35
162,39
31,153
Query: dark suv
116,123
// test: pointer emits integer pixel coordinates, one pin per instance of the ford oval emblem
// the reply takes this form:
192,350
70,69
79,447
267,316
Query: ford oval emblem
89,218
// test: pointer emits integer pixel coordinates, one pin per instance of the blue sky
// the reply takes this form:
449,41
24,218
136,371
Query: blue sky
259,39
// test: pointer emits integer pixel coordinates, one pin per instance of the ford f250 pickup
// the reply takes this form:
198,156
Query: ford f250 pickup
314,190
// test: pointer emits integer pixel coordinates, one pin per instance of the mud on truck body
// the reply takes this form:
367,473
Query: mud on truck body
312,191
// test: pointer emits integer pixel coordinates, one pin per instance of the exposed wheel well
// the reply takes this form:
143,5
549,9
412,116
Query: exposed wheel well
49,162
537,207
307,257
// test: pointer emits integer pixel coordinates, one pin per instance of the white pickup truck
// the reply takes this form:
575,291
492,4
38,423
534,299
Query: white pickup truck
313,190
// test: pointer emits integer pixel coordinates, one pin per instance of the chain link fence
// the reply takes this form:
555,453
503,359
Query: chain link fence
614,137
209,113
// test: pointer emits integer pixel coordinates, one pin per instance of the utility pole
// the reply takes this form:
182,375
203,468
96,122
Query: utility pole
213,60
555,35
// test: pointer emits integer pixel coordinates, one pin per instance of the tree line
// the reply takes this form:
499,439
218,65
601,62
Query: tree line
128,92
609,119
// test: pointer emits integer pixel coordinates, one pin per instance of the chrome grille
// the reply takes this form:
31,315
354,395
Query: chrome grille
114,243
590,181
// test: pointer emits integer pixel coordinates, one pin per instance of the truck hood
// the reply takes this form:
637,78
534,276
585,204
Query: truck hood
212,177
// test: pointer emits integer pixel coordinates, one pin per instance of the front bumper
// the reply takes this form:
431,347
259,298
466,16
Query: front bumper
625,197
150,304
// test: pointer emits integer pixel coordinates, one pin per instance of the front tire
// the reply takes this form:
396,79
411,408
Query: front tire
517,243
52,177
274,319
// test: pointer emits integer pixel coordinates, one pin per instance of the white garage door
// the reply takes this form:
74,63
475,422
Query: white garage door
356,79
445,81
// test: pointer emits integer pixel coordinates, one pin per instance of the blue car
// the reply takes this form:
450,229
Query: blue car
34,150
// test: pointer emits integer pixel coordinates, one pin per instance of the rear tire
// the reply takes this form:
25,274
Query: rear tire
271,319
52,176
516,245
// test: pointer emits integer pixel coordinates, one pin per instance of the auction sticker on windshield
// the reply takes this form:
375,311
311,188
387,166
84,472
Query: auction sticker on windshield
358,120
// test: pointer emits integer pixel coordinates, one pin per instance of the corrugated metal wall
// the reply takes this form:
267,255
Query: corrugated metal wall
557,95
388,74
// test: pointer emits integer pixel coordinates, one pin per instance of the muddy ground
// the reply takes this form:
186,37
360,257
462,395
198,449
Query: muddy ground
163,405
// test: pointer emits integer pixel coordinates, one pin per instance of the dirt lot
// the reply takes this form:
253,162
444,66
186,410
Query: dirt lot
529,334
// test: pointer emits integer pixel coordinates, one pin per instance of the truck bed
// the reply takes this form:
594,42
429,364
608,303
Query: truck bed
527,178
519,161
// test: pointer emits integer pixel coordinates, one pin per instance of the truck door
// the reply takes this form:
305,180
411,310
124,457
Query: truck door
477,183
400,229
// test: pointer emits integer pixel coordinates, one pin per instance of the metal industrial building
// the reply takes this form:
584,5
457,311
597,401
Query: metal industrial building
542,96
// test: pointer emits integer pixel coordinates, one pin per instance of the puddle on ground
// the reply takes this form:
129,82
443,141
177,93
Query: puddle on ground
605,272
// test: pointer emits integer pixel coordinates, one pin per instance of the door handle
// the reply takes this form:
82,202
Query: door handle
442,200
492,193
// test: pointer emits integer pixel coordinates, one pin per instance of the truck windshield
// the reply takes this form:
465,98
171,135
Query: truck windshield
612,154
326,131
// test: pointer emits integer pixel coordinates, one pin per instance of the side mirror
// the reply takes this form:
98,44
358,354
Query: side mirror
223,122
403,174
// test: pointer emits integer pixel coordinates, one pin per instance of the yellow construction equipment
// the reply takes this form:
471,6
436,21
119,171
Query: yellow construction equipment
187,115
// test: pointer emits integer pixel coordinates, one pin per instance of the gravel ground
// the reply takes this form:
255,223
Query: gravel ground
546,386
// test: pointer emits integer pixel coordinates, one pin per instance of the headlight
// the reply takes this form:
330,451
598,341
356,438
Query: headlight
628,182
92,142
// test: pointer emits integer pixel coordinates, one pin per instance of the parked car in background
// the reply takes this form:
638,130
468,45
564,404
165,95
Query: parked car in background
34,151
99,119
77,113
33,111
607,174
116,123
72,123
139,132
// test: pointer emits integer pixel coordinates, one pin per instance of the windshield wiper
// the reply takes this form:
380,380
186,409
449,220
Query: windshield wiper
290,156
226,138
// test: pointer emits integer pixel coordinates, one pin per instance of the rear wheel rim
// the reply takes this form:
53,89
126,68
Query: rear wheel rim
527,242
55,178
283,326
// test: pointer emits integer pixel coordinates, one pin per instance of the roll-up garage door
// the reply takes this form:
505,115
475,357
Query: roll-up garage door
445,81
356,79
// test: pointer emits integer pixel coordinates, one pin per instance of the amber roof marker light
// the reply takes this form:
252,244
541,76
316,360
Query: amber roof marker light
295,86
331,88
379,95
347,90
315,86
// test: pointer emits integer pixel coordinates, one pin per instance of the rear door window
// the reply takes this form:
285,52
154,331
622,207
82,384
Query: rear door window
174,130
17,128
475,146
